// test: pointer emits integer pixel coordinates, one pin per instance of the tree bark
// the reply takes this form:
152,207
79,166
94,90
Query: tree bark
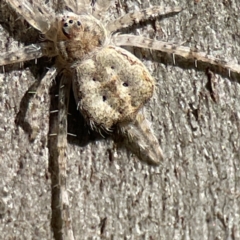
194,194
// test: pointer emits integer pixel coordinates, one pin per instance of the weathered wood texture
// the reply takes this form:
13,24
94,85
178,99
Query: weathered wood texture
194,194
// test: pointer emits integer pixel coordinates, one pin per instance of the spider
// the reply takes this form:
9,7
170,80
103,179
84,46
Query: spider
110,84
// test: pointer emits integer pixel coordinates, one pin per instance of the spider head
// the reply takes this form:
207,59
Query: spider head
79,35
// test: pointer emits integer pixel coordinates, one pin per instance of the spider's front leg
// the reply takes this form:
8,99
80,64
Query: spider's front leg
100,7
37,15
137,16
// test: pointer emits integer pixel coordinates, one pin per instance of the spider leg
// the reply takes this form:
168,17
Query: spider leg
34,112
135,17
27,53
35,14
24,54
81,6
64,91
100,7
78,7
139,138
171,48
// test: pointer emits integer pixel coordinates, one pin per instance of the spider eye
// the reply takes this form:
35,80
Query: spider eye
78,23
65,25
70,21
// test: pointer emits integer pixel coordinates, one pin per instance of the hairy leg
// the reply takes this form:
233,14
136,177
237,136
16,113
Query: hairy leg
27,53
171,48
135,17
64,91
61,5
30,52
35,110
36,14
100,7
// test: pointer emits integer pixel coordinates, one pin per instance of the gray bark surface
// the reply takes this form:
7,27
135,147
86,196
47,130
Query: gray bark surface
194,194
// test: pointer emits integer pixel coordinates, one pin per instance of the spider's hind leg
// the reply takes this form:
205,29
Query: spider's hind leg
174,49
61,218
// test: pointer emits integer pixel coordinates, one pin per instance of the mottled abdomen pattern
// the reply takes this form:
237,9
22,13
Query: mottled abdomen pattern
110,86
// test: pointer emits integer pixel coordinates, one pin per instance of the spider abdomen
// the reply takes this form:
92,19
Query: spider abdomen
110,86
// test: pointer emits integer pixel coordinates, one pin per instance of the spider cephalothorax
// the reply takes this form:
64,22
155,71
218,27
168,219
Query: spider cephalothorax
78,35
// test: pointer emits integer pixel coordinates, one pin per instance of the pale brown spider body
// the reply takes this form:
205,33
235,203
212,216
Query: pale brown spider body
110,84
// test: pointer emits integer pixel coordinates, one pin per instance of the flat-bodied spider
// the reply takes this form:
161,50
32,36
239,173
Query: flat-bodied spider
110,84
